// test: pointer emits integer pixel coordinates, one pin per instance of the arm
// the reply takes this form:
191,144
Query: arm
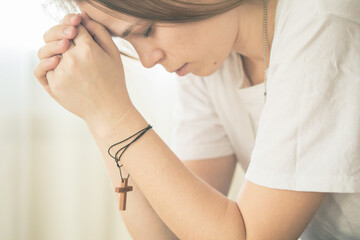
274,213
194,210
141,220
190,207
217,172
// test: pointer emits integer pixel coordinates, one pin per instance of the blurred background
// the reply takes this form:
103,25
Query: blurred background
53,182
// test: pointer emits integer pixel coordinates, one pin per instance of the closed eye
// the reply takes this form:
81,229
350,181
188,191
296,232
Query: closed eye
149,31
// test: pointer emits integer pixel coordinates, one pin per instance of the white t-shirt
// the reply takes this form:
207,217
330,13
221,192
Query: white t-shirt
306,137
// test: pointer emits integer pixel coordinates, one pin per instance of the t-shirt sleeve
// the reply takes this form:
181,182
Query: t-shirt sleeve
309,131
198,132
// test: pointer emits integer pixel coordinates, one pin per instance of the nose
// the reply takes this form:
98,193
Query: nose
150,58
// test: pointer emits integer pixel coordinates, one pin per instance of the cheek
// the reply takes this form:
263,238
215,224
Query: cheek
204,44
184,40
176,44
190,48
211,54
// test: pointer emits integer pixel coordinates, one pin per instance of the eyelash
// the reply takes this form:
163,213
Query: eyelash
148,32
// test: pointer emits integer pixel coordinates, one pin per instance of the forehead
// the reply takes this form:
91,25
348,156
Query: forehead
107,16
112,19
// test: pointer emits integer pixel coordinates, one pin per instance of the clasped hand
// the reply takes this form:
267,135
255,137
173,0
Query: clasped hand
81,68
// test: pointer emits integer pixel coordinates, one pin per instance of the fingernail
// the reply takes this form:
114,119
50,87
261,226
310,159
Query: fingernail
73,18
60,42
68,31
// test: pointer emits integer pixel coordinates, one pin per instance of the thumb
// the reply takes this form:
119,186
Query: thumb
100,35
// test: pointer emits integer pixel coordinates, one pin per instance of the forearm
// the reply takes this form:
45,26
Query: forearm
140,218
191,208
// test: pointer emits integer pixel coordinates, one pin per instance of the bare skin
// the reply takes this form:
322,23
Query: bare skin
189,207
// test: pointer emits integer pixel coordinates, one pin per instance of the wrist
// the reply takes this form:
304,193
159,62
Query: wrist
117,127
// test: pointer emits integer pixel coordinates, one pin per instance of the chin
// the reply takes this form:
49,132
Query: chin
207,71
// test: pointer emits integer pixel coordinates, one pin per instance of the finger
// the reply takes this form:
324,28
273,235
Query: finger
71,45
53,48
43,67
82,35
49,75
100,35
59,32
71,19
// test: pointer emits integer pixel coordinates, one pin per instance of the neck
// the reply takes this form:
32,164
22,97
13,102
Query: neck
250,36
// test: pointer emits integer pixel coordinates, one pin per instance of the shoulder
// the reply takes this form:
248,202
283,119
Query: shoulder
347,9
293,12
310,36
313,100
306,18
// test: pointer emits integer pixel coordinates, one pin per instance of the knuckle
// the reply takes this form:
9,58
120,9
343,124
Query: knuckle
52,33
60,46
87,49
42,68
47,35
87,46
71,61
43,52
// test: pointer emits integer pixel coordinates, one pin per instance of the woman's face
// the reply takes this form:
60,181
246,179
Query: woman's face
199,47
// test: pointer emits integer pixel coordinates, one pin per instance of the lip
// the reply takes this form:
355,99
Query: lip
182,71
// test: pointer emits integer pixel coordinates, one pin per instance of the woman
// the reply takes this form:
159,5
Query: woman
304,175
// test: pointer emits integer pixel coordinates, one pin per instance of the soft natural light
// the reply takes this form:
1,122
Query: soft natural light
53,182
23,24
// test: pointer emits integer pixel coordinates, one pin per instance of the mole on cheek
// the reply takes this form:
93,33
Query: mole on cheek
214,63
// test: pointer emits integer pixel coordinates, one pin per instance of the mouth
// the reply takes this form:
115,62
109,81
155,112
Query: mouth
183,70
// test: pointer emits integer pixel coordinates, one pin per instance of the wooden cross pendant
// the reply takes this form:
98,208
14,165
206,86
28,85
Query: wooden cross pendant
123,192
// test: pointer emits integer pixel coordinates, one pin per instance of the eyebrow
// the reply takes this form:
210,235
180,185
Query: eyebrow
112,34
122,35
127,31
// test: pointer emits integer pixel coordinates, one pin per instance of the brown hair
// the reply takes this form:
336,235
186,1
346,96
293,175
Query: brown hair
165,11
171,11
